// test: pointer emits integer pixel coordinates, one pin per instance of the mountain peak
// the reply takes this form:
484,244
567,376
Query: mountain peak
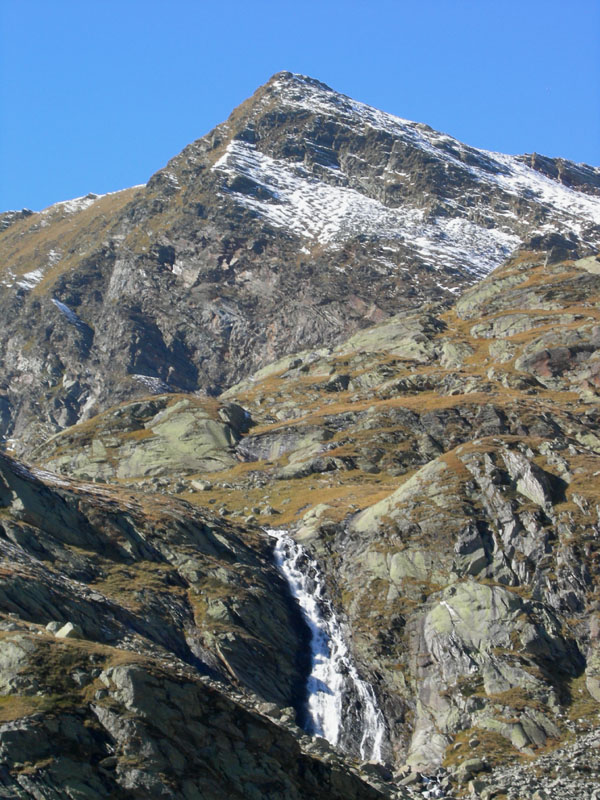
433,455
304,197
321,165
285,77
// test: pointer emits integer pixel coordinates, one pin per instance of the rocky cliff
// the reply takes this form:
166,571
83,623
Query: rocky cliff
148,649
277,332
304,217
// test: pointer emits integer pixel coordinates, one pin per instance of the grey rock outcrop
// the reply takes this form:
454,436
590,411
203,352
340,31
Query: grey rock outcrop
88,285
437,456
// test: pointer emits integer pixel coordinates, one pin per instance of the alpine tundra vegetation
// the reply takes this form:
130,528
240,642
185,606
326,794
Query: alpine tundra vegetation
299,495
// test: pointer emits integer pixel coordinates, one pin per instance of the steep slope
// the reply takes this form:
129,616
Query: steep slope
442,468
303,218
277,334
161,577
147,650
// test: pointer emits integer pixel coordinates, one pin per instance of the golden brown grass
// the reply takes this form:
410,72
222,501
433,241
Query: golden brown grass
26,243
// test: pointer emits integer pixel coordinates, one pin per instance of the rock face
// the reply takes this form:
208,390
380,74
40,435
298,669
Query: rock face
304,217
140,696
437,457
150,438
133,730
150,573
447,493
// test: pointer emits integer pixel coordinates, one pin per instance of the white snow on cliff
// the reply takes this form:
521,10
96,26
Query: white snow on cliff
316,205
290,197
506,171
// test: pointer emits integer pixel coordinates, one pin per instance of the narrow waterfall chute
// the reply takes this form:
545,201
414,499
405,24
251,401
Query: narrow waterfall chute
336,695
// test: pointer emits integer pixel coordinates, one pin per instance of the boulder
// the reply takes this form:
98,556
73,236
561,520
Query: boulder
468,768
69,631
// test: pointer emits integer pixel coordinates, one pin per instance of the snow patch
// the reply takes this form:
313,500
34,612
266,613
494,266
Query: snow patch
30,279
54,256
76,204
9,279
69,314
290,197
155,385
81,203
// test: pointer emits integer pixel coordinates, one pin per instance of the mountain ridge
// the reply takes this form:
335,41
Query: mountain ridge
185,369
357,450
207,234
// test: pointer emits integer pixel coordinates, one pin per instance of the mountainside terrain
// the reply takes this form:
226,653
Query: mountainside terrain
323,320
303,218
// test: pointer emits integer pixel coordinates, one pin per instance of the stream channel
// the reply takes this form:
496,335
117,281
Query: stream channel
341,707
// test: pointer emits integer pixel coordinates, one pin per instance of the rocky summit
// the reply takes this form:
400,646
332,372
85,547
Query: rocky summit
299,495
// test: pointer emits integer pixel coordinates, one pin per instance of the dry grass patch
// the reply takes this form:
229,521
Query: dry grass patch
491,746
582,706
122,582
517,699
14,706
541,276
293,498
26,244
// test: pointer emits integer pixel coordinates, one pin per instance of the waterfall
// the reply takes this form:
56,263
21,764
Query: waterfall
341,706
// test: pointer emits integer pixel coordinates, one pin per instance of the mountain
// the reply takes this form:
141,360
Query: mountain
302,219
327,522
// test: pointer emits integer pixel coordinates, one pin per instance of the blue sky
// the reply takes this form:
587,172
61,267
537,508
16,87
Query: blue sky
96,95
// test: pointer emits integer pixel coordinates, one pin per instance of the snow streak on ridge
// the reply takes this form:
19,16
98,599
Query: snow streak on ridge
289,196
506,171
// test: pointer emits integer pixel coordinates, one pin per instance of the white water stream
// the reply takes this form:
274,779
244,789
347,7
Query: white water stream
334,682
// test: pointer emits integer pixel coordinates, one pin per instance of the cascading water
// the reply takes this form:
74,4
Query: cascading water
337,696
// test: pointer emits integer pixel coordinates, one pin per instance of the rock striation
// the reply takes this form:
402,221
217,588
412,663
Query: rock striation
305,217
448,496
384,343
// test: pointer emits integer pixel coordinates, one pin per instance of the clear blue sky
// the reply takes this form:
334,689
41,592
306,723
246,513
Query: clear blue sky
96,95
